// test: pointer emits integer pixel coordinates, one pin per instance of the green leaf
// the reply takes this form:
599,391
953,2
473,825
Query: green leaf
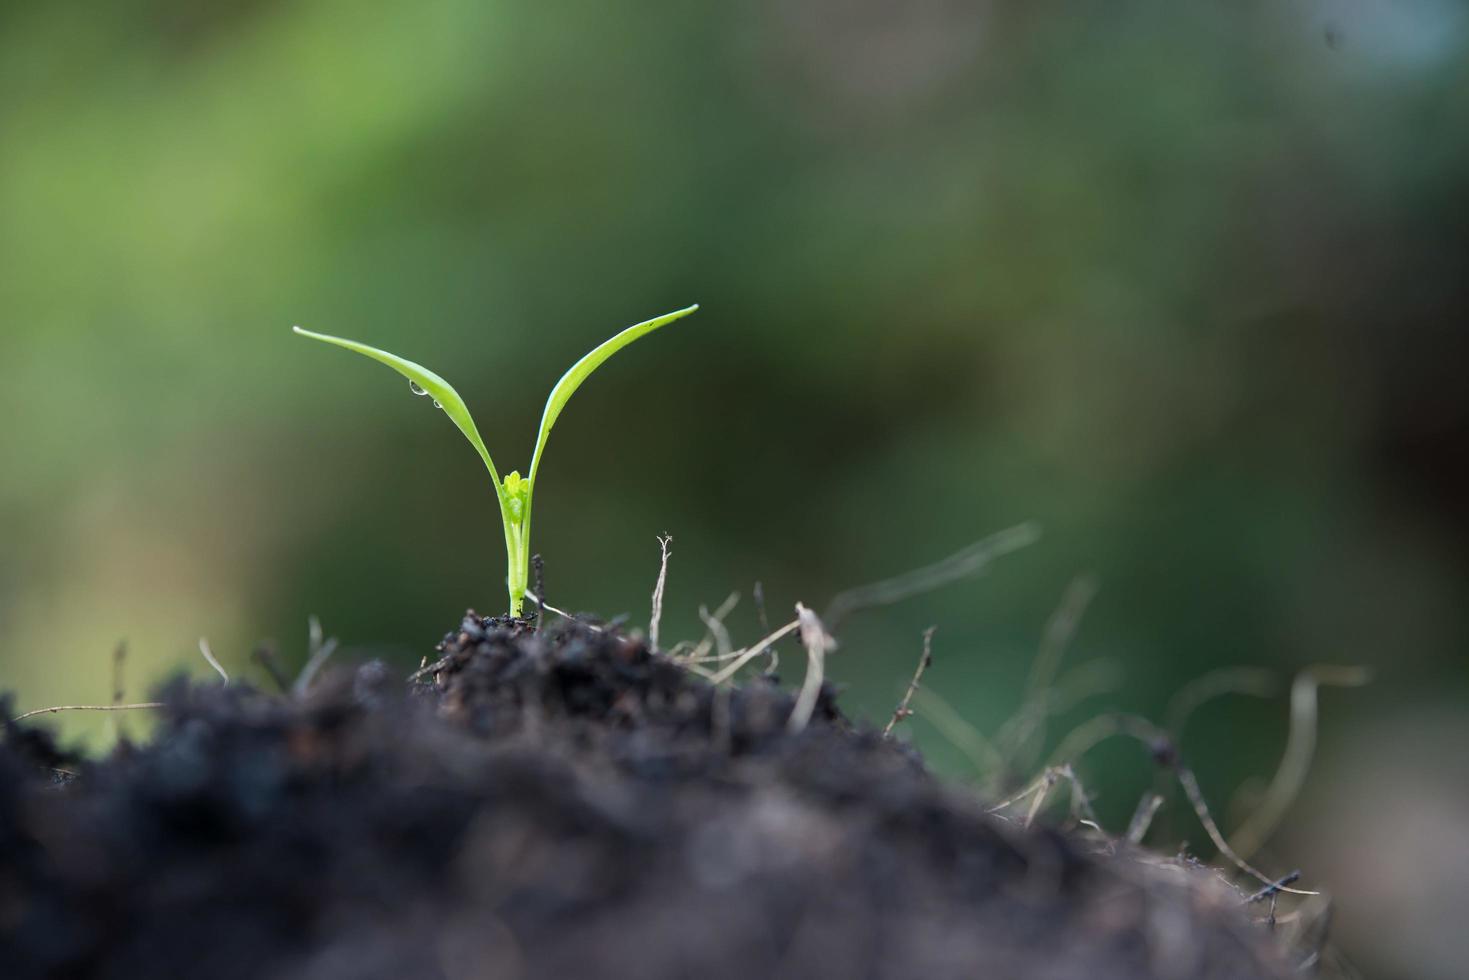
423,380
583,368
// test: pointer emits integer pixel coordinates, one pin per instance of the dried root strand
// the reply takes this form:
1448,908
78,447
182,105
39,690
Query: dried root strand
1295,763
655,622
967,561
903,711
818,643
89,707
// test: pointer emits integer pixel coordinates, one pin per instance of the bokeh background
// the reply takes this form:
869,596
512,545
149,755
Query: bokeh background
1186,283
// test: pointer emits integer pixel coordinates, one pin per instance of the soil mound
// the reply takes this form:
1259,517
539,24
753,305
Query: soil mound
562,804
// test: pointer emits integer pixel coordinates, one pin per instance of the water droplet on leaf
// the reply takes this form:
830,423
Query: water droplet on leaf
417,388
437,405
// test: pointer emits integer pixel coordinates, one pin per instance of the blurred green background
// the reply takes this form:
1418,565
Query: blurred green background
1182,282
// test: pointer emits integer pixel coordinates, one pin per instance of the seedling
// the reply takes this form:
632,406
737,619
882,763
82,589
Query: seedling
515,492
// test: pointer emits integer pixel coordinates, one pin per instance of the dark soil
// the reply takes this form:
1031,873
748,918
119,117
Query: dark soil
558,805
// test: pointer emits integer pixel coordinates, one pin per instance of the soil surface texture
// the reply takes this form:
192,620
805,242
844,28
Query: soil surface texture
560,804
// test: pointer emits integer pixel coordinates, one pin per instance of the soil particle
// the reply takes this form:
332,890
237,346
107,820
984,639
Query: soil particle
558,804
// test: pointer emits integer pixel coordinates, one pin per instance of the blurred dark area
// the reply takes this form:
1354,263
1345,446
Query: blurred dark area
1184,283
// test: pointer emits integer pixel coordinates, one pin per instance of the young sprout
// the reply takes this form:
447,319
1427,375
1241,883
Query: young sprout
514,491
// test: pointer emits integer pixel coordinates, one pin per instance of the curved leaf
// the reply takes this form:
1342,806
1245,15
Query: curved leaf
582,369
423,380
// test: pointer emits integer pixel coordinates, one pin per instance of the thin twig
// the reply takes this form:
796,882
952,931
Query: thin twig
564,615
923,664
1196,797
1090,734
1081,682
656,621
964,736
1142,817
687,657
1087,680
1295,763
1157,742
1254,681
965,562
1273,889
818,642
1060,630
1032,787
714,631
88,707
432,668
1030,721
717,631
1040,788
752,652
321,652
1048,783
209,657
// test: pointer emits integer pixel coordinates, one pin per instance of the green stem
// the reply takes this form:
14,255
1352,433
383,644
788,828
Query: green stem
517,549
517,578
